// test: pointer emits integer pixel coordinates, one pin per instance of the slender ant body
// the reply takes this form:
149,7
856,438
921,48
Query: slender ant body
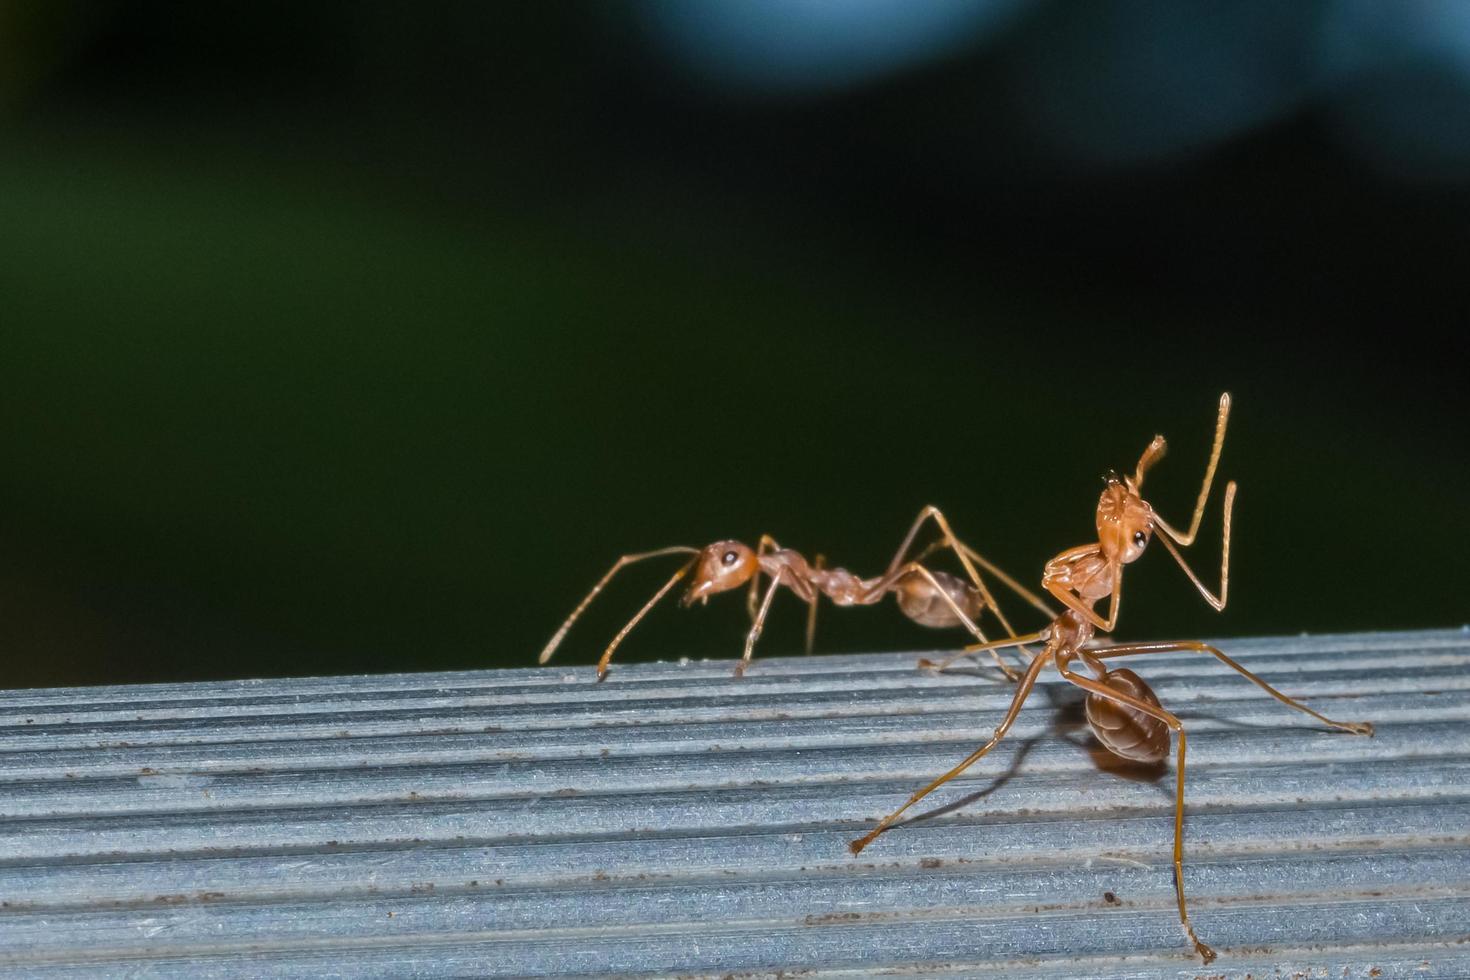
1124,713
926,596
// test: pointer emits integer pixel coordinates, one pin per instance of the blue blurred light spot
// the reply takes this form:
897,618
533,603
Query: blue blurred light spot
1368,34
1404,104
1129,83
776,46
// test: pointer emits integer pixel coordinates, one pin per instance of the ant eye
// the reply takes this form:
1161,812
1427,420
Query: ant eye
1139,538
730,558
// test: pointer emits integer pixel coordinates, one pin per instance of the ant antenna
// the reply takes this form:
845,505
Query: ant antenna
618,566
607,654
1186,539
1151,455
1217,603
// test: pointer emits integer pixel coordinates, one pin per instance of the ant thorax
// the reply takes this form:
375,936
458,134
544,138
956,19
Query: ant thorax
799,571
1084,570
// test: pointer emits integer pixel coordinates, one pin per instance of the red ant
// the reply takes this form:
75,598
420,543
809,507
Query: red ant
928,597
1122,710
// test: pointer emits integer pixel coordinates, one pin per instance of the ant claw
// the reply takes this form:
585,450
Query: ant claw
1205,952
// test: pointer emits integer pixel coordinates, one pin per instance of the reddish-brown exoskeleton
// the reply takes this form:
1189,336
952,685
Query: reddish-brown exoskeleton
1122,710
1080,576
929,597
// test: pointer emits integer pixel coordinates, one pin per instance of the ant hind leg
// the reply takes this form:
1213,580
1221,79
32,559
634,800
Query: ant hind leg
1023,690
1101,689
1183,646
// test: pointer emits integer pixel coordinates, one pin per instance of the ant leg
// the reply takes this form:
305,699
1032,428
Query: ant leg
925,663
950,541
1217,603
1181,646
1221,419
607,654
1075,603
886,582
966,555
1022,691
908,539
1006,580
974,648
561,633
767,543
1102,690
1013,585
759,624
818,563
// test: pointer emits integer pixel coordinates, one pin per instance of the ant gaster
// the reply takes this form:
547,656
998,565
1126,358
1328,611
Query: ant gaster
1124,713
928,597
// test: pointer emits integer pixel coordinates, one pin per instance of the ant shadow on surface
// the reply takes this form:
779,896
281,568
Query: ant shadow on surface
1000,780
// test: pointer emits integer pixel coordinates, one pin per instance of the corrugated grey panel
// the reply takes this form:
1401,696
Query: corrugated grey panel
675,821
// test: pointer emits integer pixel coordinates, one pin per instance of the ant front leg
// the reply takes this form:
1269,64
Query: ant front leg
819,562
766,545
1068,596
760,620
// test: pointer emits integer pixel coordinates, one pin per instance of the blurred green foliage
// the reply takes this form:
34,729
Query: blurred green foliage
280,403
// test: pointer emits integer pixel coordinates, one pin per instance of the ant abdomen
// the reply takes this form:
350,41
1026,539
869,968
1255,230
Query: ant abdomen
921,601
1124,730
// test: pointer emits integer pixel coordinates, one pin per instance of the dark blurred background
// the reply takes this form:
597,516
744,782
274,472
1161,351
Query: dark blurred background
345,337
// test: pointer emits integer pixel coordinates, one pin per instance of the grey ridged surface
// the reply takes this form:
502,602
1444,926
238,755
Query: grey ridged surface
675,821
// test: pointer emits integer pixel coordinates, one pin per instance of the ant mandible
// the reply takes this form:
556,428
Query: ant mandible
1122,710
928,597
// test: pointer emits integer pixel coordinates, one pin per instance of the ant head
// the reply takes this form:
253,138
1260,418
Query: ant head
720,567
1125,521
